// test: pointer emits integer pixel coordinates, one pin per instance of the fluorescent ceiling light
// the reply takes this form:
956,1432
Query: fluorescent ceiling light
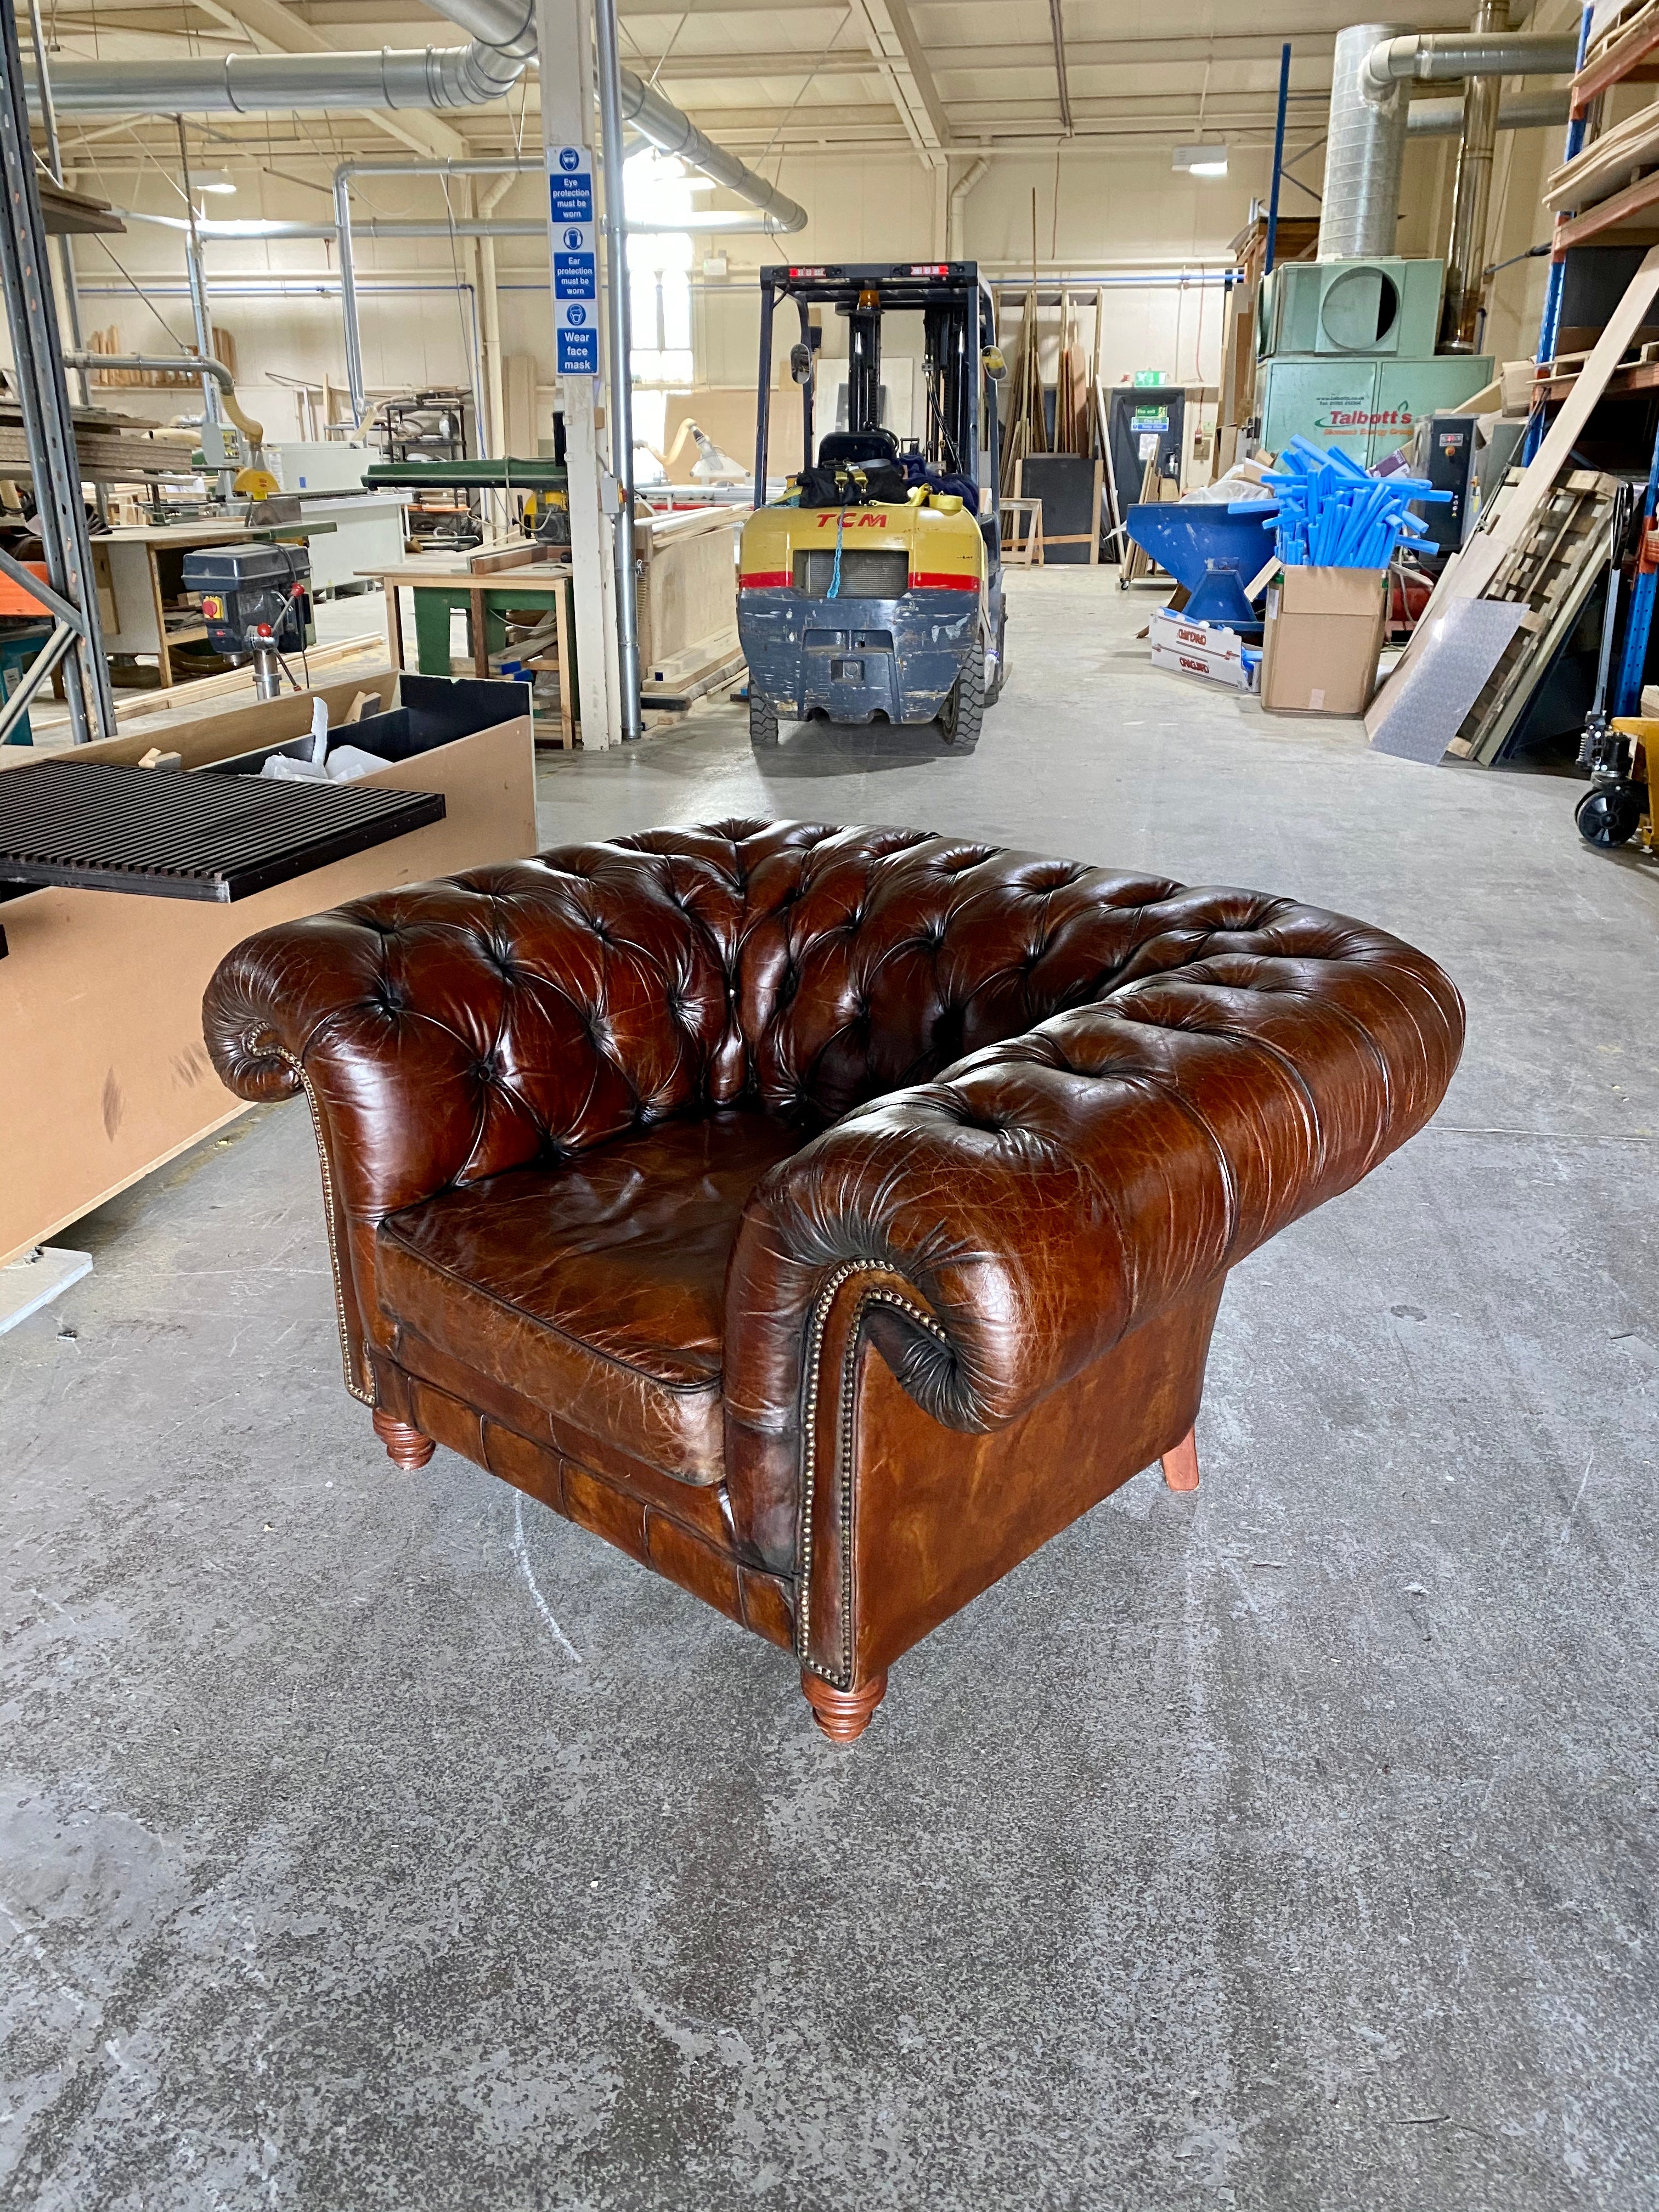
213,180
1202,161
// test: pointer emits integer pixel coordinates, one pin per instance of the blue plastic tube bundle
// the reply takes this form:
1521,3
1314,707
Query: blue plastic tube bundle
1331,513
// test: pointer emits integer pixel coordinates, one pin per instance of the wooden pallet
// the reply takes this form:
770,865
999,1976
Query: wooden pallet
1569,364
1553,569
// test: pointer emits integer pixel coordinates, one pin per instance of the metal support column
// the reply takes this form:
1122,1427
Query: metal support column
212,412
48,426
565,43
619,348
55,163
1278,156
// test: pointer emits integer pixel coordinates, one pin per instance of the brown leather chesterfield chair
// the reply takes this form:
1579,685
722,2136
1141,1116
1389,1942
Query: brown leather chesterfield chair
825,1216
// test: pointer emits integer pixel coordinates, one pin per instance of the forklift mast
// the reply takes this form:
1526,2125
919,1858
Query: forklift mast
864,362
957,322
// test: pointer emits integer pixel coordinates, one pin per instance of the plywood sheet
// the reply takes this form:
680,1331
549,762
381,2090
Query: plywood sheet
100,996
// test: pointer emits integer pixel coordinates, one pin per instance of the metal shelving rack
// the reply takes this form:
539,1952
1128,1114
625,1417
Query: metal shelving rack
1629,56
428,426
1624,59
75,642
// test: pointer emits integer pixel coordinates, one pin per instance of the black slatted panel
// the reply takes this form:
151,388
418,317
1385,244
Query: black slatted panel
101,826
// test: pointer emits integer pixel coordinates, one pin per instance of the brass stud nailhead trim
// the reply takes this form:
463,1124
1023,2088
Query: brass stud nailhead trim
330,1210
842,1678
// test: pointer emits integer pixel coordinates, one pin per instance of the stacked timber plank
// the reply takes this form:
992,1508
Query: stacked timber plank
1608,163
111,448
1604,184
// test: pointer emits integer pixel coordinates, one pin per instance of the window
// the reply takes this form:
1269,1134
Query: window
658,189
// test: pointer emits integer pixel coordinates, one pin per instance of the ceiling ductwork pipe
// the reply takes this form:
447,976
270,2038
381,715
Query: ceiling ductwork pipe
1364,152
1531,111
660,122
301,84
501,25
1435,57
1465,247
503,42
1366,143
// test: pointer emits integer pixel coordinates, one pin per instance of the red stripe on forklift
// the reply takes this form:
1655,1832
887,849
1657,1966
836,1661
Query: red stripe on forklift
765,580
930,583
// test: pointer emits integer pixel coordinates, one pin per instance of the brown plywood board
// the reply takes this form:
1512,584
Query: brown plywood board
100,997
688,591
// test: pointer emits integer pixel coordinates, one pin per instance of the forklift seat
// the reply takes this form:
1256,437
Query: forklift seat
857,445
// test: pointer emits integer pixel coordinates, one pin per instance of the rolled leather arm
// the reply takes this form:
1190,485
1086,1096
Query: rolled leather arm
343,1004
454,1029
1046,1195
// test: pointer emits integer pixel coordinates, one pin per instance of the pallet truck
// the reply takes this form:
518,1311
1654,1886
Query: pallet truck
872,588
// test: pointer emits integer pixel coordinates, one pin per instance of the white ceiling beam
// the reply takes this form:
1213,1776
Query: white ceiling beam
892,40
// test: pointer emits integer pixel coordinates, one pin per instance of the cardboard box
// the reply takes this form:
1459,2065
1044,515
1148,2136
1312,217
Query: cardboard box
1324,635
1174,631
1212,667
1208,650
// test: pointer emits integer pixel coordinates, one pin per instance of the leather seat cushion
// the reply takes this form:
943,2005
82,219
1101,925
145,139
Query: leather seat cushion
596,1288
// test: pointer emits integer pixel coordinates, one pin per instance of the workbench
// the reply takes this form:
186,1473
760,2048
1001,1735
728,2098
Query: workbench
440,588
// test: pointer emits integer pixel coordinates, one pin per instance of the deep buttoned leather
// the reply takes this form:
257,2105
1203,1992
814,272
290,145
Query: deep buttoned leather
599,1285
610,1127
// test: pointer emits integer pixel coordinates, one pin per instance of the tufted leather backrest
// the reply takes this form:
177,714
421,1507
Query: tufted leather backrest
871,959
529,1011
449,1031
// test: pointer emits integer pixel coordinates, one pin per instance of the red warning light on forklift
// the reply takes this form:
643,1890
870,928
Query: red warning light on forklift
930,268
809,272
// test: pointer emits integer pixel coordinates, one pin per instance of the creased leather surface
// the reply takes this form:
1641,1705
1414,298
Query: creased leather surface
599,1285
1054,1099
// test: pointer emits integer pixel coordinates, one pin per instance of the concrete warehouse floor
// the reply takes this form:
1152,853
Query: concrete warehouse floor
1289,1846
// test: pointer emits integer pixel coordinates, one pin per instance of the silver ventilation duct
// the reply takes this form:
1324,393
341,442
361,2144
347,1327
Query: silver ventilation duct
660,122
502,25
1366,142
1364,152
1432,57
503,35
301,84
1530,111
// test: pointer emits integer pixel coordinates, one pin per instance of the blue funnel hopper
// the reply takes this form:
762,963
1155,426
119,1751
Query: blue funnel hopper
1212,552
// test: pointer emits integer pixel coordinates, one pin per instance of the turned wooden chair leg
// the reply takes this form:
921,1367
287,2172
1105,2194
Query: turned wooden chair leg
1180,1463
405,1446
843,1715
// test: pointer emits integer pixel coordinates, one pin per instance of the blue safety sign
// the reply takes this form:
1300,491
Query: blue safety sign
576,265
570,185
577,353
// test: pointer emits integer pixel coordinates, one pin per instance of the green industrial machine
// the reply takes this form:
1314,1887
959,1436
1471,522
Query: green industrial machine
1345,354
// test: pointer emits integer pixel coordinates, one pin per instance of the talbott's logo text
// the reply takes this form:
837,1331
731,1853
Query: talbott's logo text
1360,418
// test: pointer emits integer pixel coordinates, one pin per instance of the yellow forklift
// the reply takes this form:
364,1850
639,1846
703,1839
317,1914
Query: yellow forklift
872,588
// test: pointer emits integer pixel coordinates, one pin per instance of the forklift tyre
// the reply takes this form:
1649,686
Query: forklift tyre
762,719
1609,814
994,692
964,712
